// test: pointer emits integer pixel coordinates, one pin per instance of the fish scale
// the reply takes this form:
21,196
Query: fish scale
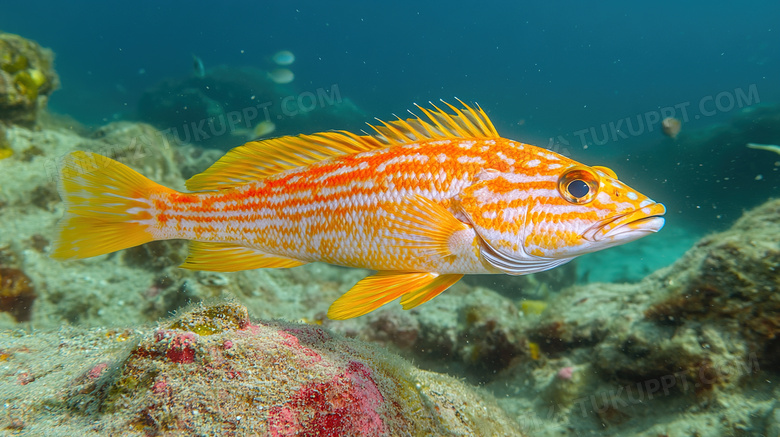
421,202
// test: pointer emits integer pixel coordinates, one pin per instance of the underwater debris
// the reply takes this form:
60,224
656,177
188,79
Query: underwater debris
27,78
16,293
671,127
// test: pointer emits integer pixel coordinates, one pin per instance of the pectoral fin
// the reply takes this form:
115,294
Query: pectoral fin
383,287
423,224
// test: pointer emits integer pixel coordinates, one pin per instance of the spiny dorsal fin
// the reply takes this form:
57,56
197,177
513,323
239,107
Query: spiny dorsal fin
259,159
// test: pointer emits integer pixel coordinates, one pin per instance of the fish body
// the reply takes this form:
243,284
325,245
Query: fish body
198,69
262,129
421,202
767,147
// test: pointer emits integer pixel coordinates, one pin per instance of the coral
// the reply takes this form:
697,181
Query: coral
27,78
16,293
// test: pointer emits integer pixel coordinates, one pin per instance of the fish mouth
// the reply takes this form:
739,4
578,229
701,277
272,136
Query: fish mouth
628,226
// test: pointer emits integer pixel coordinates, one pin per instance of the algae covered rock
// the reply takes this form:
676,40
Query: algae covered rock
693,346
27,78
213,371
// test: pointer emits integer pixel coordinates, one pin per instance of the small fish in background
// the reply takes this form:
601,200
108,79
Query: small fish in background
262,129
283,58
281,76
671,127
767,147
198,70
422,202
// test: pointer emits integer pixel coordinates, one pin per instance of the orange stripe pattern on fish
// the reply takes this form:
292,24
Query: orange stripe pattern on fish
422,202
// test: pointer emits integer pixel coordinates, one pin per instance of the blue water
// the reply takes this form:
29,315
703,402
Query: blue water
552,74
561,66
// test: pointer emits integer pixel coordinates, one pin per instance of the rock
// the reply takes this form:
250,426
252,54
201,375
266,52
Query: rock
16,293
213,371
773,423
473,332
27,78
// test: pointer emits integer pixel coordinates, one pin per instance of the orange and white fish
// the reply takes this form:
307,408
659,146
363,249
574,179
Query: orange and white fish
421,202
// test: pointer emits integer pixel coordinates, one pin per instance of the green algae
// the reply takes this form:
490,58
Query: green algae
213,320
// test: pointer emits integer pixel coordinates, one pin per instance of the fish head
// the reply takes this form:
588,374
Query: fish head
533,219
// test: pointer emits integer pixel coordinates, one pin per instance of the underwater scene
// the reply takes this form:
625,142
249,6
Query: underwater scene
409,219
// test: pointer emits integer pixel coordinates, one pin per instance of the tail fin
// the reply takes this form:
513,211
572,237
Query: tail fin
107,207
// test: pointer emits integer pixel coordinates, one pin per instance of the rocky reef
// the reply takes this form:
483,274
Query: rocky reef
228,106
27,78
212,371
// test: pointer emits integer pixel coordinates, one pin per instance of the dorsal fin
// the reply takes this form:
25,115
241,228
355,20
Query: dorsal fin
259,159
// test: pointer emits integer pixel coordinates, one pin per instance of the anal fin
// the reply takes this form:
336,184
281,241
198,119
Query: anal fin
226,257
386,286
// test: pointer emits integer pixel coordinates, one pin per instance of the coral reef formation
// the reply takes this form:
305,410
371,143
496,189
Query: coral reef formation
212,371
27,78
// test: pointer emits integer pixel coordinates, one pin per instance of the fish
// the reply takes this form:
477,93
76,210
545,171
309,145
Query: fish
284,58
198,69
281,76
262,129
767,147
421,201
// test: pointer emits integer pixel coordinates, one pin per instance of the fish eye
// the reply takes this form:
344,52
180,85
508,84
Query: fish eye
578,188
578,185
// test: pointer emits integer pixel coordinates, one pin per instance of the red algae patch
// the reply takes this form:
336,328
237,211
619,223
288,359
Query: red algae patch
347,403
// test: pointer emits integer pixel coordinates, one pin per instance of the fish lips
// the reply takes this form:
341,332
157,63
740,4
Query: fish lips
628,226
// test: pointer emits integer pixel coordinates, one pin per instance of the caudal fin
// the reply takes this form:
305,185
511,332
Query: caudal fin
107,207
